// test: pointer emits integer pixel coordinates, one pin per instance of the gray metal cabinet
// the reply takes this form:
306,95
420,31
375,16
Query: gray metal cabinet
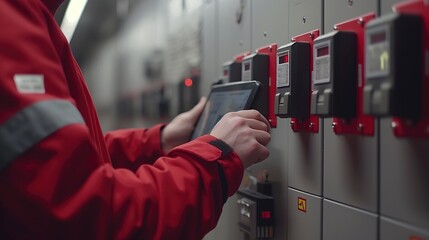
234,29
269,22
341,222
304,16
351,168
337,11
305,161
209,46
304,224
395,230
386,5
305,155
404,177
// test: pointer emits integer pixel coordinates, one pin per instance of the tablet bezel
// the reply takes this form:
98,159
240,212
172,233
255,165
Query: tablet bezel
233,86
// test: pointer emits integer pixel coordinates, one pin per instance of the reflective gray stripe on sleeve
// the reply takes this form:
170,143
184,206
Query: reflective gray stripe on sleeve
32,124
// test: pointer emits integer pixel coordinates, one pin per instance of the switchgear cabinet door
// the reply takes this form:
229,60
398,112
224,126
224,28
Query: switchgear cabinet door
337,11
395,230
305,149
234,29
304,216
404,177
351,168
269,23
210,67
304,16
344,222
386,6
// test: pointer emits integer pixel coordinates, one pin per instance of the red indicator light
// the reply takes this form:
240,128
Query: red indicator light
188,82
266,214
284,59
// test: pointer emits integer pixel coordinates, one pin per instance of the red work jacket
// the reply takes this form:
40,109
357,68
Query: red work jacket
61,179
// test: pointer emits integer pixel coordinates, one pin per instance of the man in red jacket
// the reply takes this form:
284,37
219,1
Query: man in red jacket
60,178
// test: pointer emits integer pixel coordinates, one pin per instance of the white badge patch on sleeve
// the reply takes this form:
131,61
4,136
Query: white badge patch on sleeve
30,83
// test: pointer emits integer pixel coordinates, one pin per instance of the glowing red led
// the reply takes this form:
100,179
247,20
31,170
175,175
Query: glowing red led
188,82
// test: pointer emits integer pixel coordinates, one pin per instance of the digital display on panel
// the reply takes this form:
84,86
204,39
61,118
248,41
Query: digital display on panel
284,59
283,70
323,51
322,63
378,53
247,67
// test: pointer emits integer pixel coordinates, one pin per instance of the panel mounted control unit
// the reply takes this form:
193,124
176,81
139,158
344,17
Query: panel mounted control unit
255,68
231,70
293,81
335,75
394,69
256,215
261,67
343,122
397,68
300,69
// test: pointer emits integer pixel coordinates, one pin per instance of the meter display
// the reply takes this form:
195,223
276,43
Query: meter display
231,71
322,64
255,68
334,90
378,53
293,81
394,66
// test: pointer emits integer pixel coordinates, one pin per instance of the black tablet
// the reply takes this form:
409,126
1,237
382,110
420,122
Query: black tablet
224,98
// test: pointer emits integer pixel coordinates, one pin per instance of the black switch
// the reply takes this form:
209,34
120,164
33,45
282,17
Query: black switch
394,66
335,75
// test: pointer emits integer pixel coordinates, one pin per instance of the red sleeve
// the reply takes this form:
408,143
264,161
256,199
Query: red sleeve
63,186
131,148
69,195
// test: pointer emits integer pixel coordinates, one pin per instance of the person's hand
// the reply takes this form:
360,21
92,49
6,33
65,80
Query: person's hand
247,132
179,130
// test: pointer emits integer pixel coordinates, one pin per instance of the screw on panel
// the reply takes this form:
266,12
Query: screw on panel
311,35
394,125
311,125
360,21
304,19
334,125
360,127
265,34
350,2
335,28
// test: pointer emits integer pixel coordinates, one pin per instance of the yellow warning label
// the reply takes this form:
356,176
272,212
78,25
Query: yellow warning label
302,204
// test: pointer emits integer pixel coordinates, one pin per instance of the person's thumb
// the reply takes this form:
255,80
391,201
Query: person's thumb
195,112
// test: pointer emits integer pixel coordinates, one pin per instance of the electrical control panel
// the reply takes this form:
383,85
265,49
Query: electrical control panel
293,86
255,67
394,70
261,66
335,75
348,116
298,74
397,78
256,214
232,69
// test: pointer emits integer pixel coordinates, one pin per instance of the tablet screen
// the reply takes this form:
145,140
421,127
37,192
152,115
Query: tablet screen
224,98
